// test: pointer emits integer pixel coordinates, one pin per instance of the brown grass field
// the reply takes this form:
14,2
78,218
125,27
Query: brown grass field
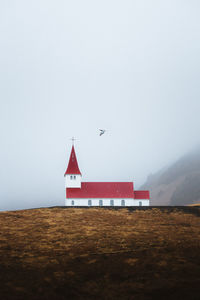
98,253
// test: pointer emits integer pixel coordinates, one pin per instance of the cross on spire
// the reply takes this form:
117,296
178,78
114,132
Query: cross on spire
73,139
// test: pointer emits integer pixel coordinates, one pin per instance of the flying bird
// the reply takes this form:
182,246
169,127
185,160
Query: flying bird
102,131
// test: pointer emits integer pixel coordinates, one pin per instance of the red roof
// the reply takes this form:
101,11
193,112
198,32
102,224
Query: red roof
73,164
142,195
102,190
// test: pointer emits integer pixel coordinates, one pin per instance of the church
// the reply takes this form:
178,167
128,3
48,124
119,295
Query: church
80,193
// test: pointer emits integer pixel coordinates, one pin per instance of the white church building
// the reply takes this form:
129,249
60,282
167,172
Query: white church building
80,193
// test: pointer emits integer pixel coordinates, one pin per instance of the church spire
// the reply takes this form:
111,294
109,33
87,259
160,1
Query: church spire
73,164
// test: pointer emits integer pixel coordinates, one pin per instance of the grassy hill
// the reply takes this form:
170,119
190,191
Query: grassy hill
98,253
178,184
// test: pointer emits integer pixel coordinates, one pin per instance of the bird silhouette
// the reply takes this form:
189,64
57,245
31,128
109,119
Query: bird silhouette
102,131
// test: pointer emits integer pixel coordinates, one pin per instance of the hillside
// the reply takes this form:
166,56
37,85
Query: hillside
178,184
98,253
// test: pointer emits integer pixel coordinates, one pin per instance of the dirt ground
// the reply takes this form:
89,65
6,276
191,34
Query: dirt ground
98,253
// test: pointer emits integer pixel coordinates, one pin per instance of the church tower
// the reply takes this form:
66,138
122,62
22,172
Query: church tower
73,174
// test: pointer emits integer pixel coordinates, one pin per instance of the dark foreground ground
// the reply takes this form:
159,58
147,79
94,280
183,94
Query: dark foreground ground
98,253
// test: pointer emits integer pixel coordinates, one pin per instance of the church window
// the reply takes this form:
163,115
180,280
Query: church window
111,202
140,203
72,202
74,177
100,202
123,202
71,177
89,202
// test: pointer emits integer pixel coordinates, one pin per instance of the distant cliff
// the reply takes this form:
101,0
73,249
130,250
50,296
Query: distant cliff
179,184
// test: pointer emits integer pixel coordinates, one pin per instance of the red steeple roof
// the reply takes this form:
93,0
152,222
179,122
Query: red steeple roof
73,164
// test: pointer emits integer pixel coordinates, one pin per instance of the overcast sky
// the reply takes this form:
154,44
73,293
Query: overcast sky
68,68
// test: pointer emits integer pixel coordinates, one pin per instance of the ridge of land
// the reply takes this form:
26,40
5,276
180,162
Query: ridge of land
78,253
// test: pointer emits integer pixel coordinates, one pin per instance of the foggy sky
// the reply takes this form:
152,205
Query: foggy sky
68,68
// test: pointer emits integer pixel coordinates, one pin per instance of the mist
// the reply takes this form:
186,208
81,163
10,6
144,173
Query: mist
70,68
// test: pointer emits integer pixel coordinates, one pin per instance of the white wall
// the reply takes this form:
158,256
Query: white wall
145,202
72,183
106,202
